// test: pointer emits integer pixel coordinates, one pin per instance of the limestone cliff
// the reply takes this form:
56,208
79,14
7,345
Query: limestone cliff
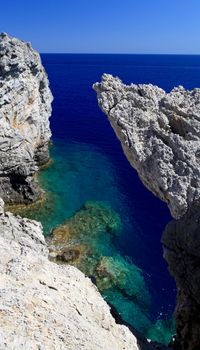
25,108
160,135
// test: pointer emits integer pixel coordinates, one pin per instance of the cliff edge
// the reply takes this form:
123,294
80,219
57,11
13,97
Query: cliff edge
160,136
25,108
48,306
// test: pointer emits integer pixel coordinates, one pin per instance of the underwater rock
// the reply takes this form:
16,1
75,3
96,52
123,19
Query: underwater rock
115,271
75,240
93,219
89,232
71,255
25,108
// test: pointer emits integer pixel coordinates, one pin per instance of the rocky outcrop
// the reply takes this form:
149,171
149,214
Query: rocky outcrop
48,306
160,135
25,107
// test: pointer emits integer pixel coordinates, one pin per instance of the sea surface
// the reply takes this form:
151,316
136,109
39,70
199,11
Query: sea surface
89,167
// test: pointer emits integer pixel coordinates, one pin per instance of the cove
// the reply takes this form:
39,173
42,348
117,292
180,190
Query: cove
89,166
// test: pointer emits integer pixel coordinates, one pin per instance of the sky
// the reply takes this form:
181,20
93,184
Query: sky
104,26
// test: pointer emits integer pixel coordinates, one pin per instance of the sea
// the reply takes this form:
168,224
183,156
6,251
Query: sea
89,166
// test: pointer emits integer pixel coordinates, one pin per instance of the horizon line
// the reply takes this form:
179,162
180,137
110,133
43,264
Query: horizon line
119,53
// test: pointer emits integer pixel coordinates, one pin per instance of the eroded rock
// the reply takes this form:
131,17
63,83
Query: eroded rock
25,108
49,306
160,135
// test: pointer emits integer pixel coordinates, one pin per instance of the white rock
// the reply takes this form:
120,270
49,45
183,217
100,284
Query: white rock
25,108
49,306
160,135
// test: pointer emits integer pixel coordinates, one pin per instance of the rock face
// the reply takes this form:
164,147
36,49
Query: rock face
49,306
160,135
181,242
25,108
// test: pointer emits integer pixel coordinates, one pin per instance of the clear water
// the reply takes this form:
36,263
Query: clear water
89,165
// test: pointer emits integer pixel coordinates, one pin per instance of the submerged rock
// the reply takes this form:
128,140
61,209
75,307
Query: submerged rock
76,241
115,271
25,108
160,135
93,219
84,239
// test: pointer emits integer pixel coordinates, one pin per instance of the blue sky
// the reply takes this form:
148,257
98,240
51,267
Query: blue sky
105,26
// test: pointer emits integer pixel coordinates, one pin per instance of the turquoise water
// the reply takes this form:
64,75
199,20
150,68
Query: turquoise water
81,173
82,191
113,223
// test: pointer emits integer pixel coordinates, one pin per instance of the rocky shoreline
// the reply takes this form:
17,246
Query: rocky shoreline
160,136
25,108
43,305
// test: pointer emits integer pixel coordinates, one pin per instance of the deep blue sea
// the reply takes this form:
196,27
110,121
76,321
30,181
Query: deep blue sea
89,165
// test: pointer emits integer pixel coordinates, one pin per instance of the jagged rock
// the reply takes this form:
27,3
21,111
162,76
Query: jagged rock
160,135
25,107
48,306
